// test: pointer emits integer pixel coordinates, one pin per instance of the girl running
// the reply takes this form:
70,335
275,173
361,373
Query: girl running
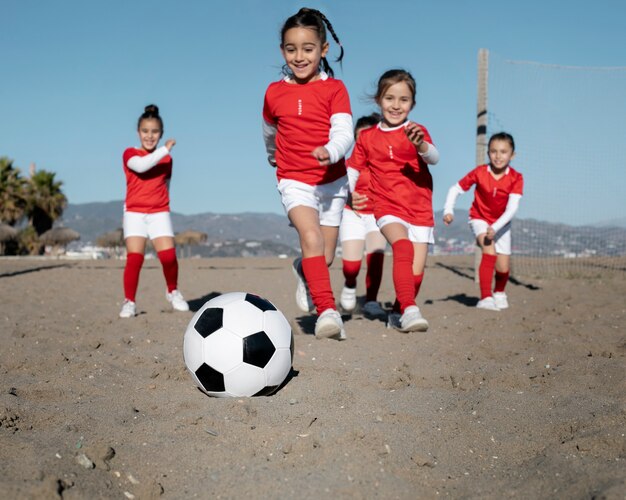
397,152
358,231
148,171
499,189
307,128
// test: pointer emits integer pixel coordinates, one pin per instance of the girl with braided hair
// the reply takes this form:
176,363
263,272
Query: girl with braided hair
307,128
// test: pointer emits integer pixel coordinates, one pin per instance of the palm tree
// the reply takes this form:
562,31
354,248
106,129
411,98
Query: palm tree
12,192
45,200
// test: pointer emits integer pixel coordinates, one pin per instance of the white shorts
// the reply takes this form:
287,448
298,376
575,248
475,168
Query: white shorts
503,237
356,226
328,199
147,225
417,234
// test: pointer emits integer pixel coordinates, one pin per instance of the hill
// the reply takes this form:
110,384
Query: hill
260,234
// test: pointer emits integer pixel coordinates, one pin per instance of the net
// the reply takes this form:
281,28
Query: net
569,125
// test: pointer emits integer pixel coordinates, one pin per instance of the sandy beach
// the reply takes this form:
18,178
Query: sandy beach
526,403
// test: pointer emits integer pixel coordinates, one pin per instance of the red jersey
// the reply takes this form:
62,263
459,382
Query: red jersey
147,192
401,183
491,195
302,116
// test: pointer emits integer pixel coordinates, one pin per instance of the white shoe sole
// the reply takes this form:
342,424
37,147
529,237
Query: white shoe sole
420,325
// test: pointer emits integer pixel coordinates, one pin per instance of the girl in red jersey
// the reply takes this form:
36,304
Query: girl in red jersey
307,128
397,153
148,171
358,232
499,189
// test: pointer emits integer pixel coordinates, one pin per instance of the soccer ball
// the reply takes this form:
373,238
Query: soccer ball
238,344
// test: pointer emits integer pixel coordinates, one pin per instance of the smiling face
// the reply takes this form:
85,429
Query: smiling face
149,133
395,104
303,51
500,154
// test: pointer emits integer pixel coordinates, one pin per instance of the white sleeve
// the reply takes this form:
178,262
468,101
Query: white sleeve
353,176
269,137
509,212
453,193
341,136
141,164
431,156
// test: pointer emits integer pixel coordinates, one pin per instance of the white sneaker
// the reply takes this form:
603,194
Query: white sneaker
176,299
330,325
487,303
303,295
372,310
412,321
347,300
129,309
501,300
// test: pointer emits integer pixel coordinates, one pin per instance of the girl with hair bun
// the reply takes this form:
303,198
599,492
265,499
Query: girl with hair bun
307,127
148,171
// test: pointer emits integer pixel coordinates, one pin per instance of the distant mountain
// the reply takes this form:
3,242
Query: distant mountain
256,234
619,222
94,219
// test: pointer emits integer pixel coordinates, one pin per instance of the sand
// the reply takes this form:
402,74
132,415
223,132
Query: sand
529,402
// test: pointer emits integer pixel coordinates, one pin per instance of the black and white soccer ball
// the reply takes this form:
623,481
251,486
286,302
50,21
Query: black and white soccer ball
238,344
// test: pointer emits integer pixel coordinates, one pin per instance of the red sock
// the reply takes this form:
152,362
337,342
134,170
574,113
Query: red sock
170,267
403,273
374,275
501,281
351,270
317,277
485,274
134,261
417,282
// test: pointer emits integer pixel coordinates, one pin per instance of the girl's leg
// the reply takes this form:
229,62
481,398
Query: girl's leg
135,248
403,256
486,271
420,252
502,272
315,256
375,244
166,252
352,251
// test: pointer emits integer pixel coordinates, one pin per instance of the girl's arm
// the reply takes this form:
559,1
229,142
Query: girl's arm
341,136
269,137
510,210
453,193
448,209
431,156
141,164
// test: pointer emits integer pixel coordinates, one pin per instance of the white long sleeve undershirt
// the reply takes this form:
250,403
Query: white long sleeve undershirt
269,137
507,216
431,156
510,210
341,136
141,164
453,193
353,176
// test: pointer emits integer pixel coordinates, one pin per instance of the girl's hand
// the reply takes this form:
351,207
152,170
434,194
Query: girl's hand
447,219
170,143
415,134
321,154
491,234
358,201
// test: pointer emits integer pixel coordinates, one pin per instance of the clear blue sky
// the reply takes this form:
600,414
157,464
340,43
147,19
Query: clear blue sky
77,74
